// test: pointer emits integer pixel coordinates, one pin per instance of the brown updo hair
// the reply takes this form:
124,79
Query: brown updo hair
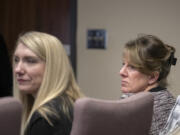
147,53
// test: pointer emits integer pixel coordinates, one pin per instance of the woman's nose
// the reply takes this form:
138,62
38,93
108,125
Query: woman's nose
19,68
122,71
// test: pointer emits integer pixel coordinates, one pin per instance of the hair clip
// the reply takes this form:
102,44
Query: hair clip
172,59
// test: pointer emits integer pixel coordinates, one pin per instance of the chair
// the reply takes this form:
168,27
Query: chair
130,116
10,116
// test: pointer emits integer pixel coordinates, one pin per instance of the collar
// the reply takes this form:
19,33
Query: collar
156,89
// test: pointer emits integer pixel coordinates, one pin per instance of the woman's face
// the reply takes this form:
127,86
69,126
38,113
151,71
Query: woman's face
28,69
132,80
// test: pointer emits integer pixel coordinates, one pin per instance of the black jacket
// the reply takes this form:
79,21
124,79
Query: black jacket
61,126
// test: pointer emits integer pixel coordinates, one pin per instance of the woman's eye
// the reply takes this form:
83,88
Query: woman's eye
31,60
131,67
16,60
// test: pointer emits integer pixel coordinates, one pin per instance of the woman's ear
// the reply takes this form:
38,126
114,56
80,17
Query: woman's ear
153,77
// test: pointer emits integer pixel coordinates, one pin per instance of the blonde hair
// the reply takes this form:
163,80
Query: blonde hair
58,76
147,53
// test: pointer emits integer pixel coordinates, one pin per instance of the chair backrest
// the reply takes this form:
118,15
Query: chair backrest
10,116
130,116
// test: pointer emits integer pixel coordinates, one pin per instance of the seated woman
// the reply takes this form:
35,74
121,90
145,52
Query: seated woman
146,64
45,83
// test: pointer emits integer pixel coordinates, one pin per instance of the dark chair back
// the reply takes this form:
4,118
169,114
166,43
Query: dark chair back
130,116
10,116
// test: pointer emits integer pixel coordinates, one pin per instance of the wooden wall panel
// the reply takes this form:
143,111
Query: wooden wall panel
57,17
18,16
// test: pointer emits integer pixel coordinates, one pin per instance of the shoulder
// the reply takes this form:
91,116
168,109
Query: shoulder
163,100
163,103
62,106
38,125
61,124
163,96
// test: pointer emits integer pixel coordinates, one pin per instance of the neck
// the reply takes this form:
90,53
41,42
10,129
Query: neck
149,87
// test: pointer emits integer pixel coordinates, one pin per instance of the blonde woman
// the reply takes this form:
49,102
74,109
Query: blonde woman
45,83
146,65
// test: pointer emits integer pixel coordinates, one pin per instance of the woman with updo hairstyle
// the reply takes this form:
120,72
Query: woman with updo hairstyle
146,65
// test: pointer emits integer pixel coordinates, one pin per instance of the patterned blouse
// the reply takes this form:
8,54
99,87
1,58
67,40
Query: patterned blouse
163,103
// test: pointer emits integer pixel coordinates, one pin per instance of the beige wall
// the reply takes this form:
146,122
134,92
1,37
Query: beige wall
97,70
